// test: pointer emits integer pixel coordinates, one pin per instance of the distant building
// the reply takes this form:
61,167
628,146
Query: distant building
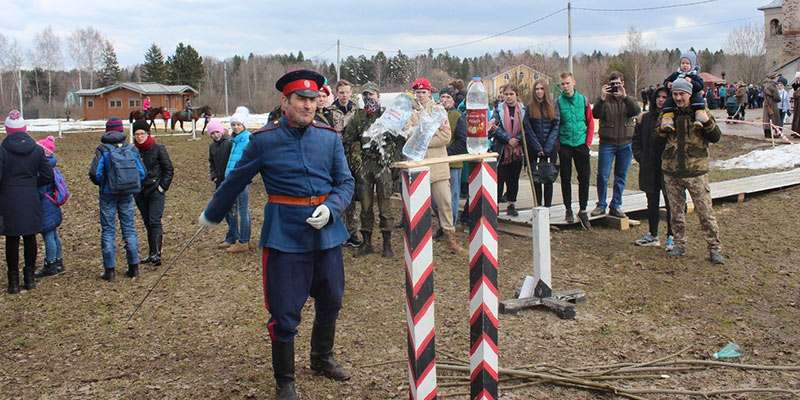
782,35
521,75
120,99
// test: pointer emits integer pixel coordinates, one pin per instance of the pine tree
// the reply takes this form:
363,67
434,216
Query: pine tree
111,72
154,69
185,67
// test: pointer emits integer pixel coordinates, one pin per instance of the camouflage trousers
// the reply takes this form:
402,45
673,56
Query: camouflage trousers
700,191
376,189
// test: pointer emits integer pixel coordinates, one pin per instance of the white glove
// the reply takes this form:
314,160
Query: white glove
202,220
320,217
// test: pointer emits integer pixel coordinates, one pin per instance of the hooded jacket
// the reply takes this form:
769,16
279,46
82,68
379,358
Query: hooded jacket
51,213
100,163
239,143
24,169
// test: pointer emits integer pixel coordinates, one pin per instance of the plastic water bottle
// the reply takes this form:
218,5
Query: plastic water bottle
477,117
417,142
392,120
731,350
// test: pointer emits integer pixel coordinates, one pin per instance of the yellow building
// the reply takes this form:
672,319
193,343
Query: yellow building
521,75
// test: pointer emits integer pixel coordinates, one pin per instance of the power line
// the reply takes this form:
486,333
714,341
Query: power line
667,28
323,52
694,3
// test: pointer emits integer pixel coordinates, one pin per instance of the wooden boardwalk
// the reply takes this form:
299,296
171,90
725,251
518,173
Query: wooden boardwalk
637,200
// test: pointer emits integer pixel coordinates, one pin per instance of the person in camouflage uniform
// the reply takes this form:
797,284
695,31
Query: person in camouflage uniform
342,111
371,170
685,166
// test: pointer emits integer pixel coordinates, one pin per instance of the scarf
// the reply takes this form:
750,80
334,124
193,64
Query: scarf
512,153
371,106
147,145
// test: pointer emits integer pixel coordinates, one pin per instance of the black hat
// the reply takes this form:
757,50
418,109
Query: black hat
303,82
142,125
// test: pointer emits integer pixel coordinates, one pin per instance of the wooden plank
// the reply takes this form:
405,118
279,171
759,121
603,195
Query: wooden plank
622,224
440,160
515,305
564,309
740,198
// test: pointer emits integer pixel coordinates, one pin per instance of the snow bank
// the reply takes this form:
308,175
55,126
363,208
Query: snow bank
51,124
786,156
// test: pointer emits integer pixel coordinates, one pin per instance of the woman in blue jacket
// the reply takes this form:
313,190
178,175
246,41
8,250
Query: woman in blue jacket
542,138
239,215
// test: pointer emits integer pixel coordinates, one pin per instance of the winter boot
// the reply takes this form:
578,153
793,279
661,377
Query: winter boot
452,243
283,369
133,271
387,245
155,257
322,361
109,274
366,244
668,122
716,257
29,282
13,281
150,247
59,265
49,269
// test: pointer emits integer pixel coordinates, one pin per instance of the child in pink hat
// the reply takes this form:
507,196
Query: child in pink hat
51,213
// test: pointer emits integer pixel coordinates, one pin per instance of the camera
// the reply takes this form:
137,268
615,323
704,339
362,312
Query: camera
614,86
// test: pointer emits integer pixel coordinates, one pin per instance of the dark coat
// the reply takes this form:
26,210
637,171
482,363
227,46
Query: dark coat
543,133
25,168
218,153
51,213
647,149
159,169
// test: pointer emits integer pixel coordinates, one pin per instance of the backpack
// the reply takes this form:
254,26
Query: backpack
123,175
60,193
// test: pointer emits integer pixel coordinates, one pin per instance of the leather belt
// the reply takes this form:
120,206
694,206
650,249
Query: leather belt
297,201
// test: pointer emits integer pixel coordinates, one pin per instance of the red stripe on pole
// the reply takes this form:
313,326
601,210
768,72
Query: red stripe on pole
485,310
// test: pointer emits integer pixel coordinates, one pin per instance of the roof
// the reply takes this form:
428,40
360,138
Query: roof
772,4
145,88
492,76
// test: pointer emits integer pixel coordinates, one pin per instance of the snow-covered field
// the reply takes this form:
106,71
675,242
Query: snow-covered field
51,125
785,156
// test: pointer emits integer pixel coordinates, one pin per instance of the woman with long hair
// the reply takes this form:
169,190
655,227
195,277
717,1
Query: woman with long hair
542,138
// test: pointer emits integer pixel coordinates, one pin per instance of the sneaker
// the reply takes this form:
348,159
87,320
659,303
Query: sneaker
569,217
670,243
716,257
598,212
676,252
353,241
616,212
647,240
583,217
511,210
224,245
237,248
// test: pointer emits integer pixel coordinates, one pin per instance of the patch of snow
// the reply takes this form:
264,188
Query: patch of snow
787,156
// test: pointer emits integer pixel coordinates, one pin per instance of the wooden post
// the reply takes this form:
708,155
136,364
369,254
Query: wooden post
418,241
540,284
483,264
60,134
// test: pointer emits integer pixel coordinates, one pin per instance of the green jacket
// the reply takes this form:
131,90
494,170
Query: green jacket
617,119
572,130
686,152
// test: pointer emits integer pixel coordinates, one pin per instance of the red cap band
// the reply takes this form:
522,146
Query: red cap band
300,84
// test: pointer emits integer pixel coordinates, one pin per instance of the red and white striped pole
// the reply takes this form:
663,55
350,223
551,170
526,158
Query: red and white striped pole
418,239
483,267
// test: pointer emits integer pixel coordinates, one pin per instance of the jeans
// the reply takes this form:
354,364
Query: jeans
112,206
239,219
621,156
52,246
455,190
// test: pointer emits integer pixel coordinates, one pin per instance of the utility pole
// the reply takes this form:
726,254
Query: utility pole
19,86
569,35
225,75
338,59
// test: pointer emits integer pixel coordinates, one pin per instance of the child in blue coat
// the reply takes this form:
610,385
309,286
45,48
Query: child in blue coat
51,217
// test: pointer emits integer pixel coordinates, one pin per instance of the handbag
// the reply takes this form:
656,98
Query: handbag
545,171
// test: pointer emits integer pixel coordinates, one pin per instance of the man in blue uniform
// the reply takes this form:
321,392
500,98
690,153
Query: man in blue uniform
309,184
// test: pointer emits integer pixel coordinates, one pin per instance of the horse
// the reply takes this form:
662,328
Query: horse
150,116
197,113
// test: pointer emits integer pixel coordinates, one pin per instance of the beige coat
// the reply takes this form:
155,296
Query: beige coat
438,145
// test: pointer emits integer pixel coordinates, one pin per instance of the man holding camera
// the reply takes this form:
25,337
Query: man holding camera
617,112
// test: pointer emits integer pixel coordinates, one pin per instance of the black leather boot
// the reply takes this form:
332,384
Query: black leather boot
283,368
155,258
366,245
150,248
49,269
133,271
29,282
387,245
109,274
13,281
322,361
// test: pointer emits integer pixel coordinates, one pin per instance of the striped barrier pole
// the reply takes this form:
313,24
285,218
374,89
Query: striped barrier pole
483,266
418,240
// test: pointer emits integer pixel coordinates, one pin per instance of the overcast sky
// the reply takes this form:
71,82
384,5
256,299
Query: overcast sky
226,28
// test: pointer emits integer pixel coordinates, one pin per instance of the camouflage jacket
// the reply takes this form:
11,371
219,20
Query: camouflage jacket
686,153
340,117
368,160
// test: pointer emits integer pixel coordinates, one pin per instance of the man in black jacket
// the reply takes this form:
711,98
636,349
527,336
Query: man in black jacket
219,150
647,149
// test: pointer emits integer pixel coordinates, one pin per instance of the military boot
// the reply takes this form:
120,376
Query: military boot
322,361
366,244
283,369
387,245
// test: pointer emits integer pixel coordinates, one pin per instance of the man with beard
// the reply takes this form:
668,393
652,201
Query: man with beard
305,174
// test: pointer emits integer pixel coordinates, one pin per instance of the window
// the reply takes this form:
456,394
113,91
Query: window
134,103
775,28
507,77
90,103
521,74
115,104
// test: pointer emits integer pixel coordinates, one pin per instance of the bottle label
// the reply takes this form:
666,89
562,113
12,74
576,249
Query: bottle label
476,124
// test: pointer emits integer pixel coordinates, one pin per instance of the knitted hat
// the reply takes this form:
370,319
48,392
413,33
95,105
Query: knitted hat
48,144
114,125
15,123
241,115
140,125
691,56
682,85
215,126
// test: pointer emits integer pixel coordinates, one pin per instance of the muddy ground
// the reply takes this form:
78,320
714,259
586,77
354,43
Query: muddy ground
201,334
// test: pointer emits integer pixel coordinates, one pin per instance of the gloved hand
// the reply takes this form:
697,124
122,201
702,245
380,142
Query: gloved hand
320,217
202,220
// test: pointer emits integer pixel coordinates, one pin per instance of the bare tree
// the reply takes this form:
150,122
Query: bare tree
746,44
48,56
634,57
86,49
